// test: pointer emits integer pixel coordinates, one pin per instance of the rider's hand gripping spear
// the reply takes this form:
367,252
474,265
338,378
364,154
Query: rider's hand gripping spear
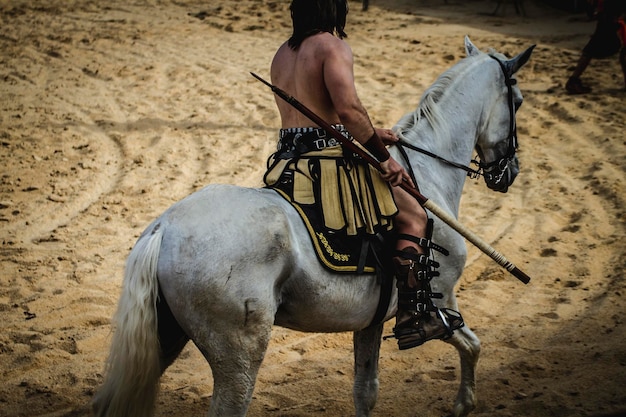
425,202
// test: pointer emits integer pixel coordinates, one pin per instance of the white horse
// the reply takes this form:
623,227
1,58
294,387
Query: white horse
225,264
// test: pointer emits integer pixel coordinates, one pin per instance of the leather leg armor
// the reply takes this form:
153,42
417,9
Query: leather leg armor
418,319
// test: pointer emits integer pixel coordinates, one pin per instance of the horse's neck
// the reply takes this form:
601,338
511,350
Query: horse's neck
451,117
444,182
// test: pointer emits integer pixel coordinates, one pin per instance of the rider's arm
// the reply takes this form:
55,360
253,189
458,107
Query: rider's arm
339,80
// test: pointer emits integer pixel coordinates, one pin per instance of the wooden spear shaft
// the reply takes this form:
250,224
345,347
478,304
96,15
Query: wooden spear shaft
425,202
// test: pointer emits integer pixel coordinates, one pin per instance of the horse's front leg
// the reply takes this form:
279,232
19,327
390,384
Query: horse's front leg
366,352
468,346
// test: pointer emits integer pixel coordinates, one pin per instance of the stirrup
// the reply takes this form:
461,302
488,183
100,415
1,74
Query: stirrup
414,336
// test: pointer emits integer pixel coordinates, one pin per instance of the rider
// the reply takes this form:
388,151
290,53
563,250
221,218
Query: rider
315,65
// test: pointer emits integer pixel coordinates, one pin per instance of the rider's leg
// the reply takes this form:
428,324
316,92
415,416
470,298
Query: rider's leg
418,319
410,220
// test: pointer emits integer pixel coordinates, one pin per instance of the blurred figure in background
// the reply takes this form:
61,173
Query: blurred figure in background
608,39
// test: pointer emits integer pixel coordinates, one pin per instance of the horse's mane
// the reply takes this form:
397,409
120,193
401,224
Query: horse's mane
436,95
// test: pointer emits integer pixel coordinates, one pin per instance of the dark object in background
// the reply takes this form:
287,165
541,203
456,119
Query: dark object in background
570,5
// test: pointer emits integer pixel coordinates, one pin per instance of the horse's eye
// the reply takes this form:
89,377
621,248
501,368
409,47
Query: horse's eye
518,104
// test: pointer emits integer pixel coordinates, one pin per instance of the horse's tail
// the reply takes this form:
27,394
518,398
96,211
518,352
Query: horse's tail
133,368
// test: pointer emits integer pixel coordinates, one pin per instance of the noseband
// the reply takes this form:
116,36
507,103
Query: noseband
494,171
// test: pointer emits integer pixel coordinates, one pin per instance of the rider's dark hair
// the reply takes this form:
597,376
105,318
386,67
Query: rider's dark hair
310,17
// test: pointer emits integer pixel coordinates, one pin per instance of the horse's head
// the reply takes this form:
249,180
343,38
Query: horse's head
497,140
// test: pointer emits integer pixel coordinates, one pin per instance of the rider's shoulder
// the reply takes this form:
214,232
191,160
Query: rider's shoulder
329,42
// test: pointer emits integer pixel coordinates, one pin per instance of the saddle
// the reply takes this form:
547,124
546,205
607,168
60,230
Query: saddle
346,207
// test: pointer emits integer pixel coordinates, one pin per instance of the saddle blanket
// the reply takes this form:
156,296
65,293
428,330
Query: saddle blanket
336,250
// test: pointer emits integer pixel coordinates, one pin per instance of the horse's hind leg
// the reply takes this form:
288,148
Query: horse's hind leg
366,354
468,346
234,350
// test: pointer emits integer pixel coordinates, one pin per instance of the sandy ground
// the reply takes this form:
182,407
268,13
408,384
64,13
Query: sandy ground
112,111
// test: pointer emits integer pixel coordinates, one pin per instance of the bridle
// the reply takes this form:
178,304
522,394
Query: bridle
492,171
500,166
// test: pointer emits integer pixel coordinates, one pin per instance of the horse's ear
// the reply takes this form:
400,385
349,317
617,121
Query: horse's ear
470,48
514,64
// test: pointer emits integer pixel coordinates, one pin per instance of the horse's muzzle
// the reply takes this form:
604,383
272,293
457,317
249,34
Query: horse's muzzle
501,176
